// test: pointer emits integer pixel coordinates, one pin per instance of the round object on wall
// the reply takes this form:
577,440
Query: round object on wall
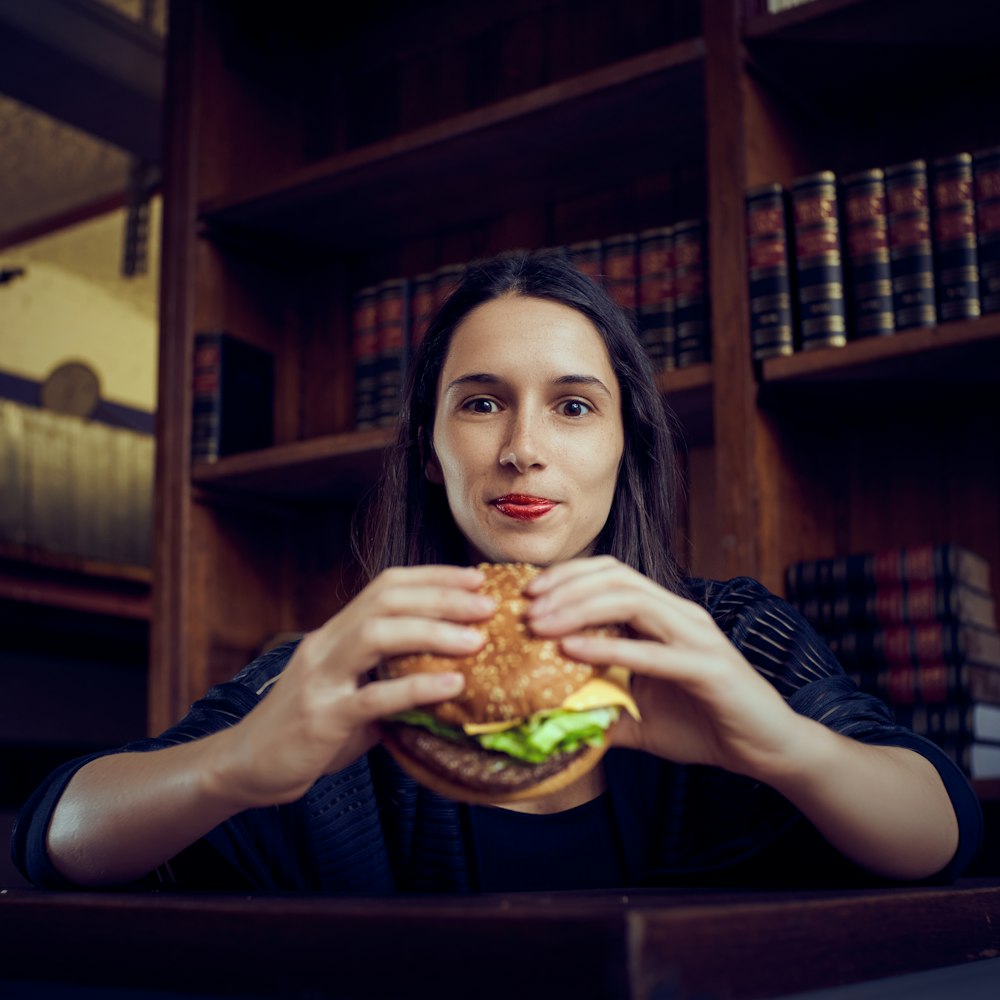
72,387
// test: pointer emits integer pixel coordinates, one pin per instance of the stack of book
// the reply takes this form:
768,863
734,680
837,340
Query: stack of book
916,627
874,252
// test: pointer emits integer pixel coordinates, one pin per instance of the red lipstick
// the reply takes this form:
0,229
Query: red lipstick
523,508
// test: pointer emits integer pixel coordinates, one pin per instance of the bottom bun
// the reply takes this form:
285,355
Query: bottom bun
435,763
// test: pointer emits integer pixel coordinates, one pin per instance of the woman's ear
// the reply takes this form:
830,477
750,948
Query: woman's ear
432,469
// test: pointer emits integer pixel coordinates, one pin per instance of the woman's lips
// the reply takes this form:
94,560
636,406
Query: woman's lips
523,508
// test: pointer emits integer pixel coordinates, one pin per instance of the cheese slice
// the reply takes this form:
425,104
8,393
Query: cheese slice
599,692
604,692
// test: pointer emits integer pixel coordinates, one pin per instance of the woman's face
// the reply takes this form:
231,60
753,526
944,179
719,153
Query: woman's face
528,432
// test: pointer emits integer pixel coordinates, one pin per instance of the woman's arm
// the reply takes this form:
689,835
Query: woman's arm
885,808
123,815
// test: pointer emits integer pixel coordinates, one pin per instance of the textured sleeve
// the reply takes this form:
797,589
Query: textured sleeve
227,858
785,649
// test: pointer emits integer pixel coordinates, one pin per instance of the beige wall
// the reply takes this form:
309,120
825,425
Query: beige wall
73,304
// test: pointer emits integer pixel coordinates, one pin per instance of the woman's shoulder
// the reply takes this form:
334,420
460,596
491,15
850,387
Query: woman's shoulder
724,599
258,675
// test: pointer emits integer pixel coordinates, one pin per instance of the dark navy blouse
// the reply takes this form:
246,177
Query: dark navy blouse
369,828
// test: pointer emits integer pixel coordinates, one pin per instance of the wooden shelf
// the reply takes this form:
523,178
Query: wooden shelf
879,23
74,584
338,467
967,352
688,392
498,157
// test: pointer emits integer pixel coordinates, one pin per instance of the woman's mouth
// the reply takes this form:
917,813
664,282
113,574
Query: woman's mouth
523,508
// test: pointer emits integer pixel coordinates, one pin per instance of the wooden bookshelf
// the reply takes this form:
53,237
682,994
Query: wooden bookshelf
310,156
34,577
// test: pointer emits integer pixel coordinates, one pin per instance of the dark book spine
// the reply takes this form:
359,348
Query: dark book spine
656,296
931,683
587,257
953,215
911,252
446,280
391,318
914,645
819,261
233,396
772,328
621,270
866,240
953,722
986,167
920,602
206,399
421,309
943,563
691,314
365,341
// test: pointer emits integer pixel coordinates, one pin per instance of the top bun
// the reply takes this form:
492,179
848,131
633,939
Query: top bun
516,673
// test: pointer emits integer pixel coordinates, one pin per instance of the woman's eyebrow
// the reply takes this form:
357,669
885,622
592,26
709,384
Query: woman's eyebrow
487,378
587,380
473,378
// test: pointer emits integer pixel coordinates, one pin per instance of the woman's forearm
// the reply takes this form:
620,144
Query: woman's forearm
883,807
123,815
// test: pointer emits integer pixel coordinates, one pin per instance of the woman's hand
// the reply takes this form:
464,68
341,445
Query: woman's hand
884,807
700,700
320,714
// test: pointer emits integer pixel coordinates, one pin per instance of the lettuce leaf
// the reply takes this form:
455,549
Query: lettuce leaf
534,741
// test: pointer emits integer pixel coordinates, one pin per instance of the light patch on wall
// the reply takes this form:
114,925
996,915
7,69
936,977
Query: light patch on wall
72,303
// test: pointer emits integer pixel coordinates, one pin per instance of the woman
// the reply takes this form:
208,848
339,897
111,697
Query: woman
532,431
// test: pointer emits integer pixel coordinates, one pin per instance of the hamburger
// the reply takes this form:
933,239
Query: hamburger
530,719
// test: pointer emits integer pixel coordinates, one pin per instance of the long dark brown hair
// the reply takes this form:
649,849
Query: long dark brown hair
409,522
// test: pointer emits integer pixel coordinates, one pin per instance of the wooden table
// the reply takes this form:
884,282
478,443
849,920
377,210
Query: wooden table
643,945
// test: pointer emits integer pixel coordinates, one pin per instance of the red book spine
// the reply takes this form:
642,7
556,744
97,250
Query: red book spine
956,265
620,270
364,326
986,167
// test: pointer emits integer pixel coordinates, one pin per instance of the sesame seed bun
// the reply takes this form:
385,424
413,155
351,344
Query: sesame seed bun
515,675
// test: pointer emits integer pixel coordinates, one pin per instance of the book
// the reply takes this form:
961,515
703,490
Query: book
772,328
691,314
953,216
976,759
912,564
895,604
587,258
866,243
986,173
656,296
819,269
364,338
446,280
971,722
911,254
392,313
931,683
232,396
621,270
421,308
912,645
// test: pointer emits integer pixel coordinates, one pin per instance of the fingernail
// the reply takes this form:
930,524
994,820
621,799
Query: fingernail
450,682
471,636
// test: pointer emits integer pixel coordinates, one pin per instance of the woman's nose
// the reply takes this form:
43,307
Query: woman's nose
522,449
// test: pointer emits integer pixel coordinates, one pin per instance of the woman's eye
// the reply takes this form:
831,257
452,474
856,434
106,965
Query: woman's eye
575,408
481,405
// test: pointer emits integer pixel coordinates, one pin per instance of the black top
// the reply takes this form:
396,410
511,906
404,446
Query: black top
578,848
369,828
